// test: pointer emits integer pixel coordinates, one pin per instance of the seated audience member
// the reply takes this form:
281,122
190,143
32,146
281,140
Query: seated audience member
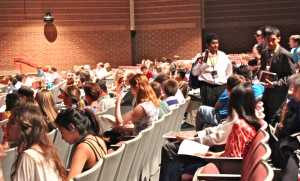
27,81
38,84
109,71
146,72
210,136
182,84
156,70
12,84
242,109
117,86
11,100
46,102
172,72
79,82
161,78
81,128
37,157
157,61
164,107
245,59
288,129
170,88
70,81
40,72
87,68
92,93
151,66
105,101
143,114
72,97
246,72
127,96
52,77
101,71
25,92
19,77
118,74
87,76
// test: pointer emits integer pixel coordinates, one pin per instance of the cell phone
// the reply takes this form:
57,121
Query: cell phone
61,91
206,56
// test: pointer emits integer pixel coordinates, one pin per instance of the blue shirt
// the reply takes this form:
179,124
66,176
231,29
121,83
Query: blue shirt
40,74
295,52
257,89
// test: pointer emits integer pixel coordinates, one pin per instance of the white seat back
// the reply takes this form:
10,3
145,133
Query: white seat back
8,162
134,173
91,174
62,147
109,81
52,135
111,164
151,149
104,126
111,110
174,118
127,158
1,132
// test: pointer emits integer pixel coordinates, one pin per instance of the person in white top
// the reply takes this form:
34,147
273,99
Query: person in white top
101,71
38,159
147,108
212,74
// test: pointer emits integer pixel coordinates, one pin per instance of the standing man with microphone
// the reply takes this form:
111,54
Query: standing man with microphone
213,69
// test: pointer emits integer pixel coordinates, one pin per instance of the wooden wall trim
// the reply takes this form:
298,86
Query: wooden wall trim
165,26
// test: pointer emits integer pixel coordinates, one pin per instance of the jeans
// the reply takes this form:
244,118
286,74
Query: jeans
182,164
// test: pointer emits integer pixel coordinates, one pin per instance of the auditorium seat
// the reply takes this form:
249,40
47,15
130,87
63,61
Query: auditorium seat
134,173
63,148
111,164
52,135
111,110
160,142
263,171
252,159
149,152
91,174
8,161
127,158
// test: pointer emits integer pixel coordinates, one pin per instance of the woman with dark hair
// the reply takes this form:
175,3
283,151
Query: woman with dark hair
11,100
81,128
46,102
37,157
246,124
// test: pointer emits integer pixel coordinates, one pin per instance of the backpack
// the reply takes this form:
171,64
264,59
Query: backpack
194,82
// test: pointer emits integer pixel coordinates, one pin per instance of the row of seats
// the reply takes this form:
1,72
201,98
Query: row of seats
55,90
130,160
139,156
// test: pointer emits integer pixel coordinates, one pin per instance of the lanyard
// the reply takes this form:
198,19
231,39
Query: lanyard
271,59
213,63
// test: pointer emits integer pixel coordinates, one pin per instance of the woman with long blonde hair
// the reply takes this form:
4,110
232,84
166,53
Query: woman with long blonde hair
147,105
47,104
72,97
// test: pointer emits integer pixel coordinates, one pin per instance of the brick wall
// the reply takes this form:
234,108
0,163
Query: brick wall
83,32
236,21
166,28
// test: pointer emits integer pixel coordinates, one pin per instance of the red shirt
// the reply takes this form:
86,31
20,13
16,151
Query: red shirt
149,75
239,139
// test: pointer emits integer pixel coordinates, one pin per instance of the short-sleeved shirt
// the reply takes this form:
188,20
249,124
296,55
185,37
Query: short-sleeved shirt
223,99
296,53
33,166
149,75
143,123
239,139
106,102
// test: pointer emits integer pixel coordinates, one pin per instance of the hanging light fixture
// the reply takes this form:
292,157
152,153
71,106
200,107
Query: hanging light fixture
48,18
